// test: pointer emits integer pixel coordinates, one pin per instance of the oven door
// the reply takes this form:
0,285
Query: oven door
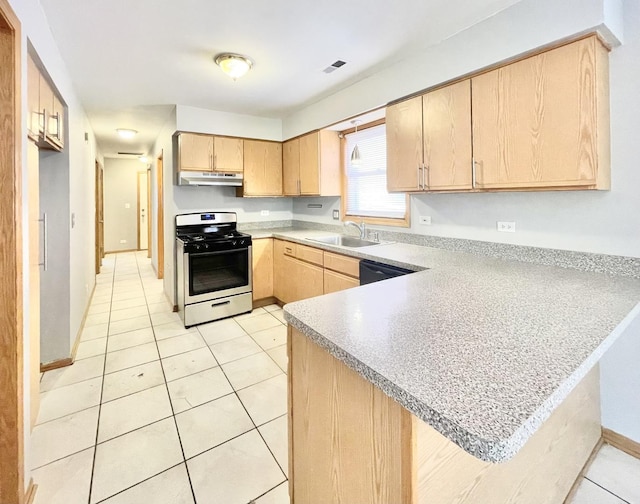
212,275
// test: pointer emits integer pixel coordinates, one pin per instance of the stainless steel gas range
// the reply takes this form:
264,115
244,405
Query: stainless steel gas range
213,267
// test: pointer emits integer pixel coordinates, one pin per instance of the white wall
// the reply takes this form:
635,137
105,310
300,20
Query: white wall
121,203
620,384
81,186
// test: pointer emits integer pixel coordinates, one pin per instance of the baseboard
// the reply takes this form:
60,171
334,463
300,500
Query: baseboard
584,470
120,251
622,443
259,303
49,366
30,494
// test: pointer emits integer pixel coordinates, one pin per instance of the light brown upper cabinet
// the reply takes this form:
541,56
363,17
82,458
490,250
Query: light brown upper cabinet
429,141
228,154
198,152
311,165
544,121
46,111
539,123
262,169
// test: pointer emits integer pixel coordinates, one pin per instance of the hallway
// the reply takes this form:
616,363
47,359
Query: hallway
153,412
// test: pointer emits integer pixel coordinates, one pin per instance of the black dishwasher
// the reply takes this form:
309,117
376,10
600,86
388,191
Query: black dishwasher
371,271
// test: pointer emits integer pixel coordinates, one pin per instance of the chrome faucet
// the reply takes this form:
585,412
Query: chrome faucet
360,227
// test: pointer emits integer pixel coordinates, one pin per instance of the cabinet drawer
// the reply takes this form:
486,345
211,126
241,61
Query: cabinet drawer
309,254
342,264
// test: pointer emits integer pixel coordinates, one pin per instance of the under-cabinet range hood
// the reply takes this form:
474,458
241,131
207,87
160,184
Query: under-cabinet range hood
209,178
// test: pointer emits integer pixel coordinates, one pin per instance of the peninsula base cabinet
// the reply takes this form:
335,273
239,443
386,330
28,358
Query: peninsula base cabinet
365,447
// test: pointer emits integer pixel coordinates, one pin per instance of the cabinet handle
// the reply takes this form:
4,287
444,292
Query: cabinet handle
473,173
215,161
45,241
57,120
425,172
298,186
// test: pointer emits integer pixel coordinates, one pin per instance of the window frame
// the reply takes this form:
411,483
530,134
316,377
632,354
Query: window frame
381,221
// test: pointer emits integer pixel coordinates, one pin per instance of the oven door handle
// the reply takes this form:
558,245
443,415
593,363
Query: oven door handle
222,303
216,252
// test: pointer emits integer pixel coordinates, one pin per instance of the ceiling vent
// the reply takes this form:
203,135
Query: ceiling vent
334,66
130,153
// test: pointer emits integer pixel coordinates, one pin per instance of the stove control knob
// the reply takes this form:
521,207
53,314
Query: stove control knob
241,242
196,246
234,243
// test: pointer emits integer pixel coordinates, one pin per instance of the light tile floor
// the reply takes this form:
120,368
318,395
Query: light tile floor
152,412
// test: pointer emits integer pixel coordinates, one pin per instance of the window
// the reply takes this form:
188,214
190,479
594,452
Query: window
366,182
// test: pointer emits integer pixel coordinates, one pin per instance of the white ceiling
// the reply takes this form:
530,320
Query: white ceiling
132,60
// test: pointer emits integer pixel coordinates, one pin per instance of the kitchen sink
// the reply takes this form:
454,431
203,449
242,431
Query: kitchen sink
344,241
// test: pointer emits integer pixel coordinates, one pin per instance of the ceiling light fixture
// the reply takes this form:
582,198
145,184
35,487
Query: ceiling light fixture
126,133
234,65
143,159
356,160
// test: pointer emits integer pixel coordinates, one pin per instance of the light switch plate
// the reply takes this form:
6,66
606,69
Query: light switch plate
264,213
425,220
506,226
336,214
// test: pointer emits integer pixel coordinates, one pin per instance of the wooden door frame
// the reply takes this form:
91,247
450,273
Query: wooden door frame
12,490
160,217
148,213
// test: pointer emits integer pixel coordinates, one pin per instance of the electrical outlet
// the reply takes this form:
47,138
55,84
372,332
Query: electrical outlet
506,226
127,205
336,214
425,220
264,213
123,241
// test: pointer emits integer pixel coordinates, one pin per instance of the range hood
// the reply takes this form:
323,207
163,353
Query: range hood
209,178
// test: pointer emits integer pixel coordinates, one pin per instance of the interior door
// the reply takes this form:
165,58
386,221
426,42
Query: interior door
148,212
143,211
99,217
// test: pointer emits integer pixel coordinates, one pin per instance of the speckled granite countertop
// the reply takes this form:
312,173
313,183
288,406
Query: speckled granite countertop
481,349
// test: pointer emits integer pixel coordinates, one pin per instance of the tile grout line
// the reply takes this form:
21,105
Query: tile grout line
104,366
173,414
250,417
607,490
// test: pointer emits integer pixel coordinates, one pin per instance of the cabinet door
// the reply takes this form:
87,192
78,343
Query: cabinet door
329,174
334,282
262,251
279,277
262,168
310,164
309,281
291,167
56,122
33,97
46,106
228,154
446,116
196,152
404,146
534,121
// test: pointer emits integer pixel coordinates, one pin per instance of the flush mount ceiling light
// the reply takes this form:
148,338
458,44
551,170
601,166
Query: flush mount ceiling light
355,153
234,65
143,159
126,133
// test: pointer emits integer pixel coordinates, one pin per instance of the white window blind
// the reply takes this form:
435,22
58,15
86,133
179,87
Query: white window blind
367,194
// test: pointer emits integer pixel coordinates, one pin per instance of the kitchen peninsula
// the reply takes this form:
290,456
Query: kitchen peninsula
473,381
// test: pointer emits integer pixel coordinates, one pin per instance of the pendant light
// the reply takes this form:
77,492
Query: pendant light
356,160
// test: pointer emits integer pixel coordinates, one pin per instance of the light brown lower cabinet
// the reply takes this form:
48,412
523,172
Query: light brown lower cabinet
351,443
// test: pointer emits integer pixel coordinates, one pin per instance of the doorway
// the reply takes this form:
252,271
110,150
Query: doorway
99,216
11,269
160,176
143,211
149,213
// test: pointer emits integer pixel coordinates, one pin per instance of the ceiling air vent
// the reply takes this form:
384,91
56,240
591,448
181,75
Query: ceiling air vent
130,153
334,66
